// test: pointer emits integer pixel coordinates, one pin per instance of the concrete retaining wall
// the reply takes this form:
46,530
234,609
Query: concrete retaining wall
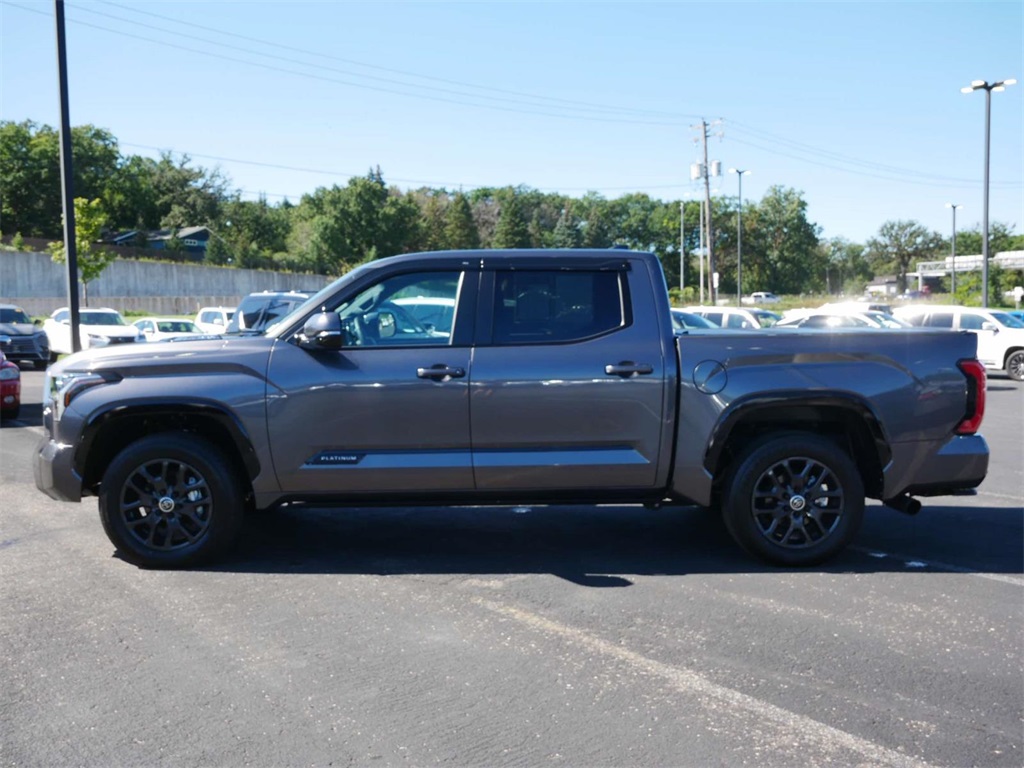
34,282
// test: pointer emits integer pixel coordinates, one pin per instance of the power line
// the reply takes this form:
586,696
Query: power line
601,107
896,174
322,78
348,174
839,157
904,178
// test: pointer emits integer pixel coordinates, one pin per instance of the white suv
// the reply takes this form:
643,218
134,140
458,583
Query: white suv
1000,334
214,319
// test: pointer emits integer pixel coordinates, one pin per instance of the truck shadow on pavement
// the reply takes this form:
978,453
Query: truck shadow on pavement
602,546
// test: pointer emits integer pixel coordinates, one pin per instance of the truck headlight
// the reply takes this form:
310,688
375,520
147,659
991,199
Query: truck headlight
60,389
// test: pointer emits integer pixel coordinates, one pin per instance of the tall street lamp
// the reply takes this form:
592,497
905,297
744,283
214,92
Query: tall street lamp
953,254
978,85
739,239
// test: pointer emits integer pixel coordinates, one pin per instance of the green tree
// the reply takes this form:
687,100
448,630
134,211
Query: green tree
90,257
846,266
30,173
513,230
1000,238
899,244
459,228
780,251
567,231
187,196
597,225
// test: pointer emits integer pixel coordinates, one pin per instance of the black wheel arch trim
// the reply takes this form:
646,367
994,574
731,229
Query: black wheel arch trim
175,409
744,408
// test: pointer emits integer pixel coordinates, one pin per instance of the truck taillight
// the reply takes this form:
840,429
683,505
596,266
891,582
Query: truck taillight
975,373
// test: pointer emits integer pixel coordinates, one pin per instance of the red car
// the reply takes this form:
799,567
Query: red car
10,388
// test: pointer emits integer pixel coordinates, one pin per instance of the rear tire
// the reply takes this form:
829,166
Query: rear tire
1015,365
793,499
171,500
40,365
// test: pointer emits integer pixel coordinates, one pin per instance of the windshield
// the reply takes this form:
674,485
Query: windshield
1005,318
101,318
14,315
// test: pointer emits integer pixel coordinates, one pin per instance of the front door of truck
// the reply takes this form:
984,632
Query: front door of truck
568,387
388,413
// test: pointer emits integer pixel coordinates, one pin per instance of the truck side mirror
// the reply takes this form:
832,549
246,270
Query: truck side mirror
322,331
386,324
986,326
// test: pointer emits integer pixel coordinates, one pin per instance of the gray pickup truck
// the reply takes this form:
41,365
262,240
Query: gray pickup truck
554,378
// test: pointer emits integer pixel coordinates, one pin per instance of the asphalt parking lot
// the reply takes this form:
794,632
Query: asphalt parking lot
576,636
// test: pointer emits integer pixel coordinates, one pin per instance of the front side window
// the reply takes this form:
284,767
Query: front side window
384,314
538,306
1006,319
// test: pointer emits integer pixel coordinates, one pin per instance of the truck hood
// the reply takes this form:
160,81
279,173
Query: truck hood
169,358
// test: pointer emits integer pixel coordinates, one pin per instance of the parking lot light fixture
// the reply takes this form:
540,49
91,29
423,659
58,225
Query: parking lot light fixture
983,85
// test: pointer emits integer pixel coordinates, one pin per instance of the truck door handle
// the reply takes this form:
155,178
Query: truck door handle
440,372
628,368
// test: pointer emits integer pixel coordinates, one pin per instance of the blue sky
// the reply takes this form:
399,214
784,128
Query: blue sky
856,105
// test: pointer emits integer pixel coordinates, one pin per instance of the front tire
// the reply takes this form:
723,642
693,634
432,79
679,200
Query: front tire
793,499
1015,365
171,500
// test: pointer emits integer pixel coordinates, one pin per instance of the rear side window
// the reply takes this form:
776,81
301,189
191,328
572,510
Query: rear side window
737,321
939,320
539,306
971,322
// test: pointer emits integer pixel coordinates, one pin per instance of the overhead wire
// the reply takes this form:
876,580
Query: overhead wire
797,150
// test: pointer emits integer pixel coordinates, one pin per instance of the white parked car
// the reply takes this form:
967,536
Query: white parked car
760,297
736,318
1000,334
163,328
96,328
214,319
838,317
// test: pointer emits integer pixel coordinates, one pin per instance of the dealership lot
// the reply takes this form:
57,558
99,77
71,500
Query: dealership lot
517,636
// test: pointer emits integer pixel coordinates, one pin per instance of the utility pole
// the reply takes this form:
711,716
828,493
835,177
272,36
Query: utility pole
707,171
702,253
682,247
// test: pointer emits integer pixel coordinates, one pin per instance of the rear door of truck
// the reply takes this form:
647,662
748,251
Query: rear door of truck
569,376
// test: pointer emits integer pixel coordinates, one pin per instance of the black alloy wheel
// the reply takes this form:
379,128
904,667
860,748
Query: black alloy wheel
170,500
794,499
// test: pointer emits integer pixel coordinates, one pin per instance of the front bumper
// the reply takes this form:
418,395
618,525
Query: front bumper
923,469
55,472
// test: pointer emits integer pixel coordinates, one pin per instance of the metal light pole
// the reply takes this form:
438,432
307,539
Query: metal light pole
953,254
739,239
978,85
